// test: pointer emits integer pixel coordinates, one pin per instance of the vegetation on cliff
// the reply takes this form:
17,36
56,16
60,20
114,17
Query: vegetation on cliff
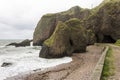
104,21
117,42
78,27
67,38
46,26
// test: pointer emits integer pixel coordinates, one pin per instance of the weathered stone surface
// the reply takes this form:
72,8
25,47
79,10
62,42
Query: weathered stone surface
90,37
58,42
44,28
44,52
77,35
48,22
67,38
104,21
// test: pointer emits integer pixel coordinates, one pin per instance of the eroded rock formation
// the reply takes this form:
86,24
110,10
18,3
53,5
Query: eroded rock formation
104,21
71,31
48,22
67,38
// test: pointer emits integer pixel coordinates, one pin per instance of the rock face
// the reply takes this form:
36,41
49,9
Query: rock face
23,43
67,38
48,22
62,34
90,37
111,25
104,21
44,29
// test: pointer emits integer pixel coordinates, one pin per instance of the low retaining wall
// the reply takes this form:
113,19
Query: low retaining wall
99,67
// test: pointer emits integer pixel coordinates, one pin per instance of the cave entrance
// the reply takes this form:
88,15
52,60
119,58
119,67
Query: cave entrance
108,39
71,42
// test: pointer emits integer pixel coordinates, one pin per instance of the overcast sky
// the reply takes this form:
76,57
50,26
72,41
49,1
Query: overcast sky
18,18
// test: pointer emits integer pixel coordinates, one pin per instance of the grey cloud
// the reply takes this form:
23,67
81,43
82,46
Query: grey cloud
24,26
18,18
20,26
9,32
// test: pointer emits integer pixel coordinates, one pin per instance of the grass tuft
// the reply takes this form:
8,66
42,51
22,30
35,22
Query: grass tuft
117,42
108,68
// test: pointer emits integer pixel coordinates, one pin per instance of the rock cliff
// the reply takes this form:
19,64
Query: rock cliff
104,21
48,22
71,31
67,38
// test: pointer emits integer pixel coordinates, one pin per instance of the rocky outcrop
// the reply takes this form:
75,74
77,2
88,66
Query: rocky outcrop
90,37
44,29
100,24
23,43
48,22
67,38
6,64
104,21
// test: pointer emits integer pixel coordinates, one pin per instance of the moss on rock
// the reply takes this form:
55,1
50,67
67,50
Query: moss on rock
77,35
105,20
91,38
46,26
117,42
67,38
78,28
58,43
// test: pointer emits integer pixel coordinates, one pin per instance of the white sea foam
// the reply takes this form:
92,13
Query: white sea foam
25,59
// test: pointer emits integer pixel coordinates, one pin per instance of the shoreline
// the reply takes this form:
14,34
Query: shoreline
80,68
24,60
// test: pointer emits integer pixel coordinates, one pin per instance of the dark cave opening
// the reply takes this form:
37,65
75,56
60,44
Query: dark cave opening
108,39
71,42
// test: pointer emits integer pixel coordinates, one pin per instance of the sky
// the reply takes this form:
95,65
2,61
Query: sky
18,18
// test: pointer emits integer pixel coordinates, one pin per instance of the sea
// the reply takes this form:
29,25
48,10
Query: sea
24,59
4,42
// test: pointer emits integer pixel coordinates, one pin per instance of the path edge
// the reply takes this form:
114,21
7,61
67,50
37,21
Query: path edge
97,72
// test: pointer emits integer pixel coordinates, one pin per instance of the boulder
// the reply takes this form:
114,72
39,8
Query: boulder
67,38
44,52
57,44
6,64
